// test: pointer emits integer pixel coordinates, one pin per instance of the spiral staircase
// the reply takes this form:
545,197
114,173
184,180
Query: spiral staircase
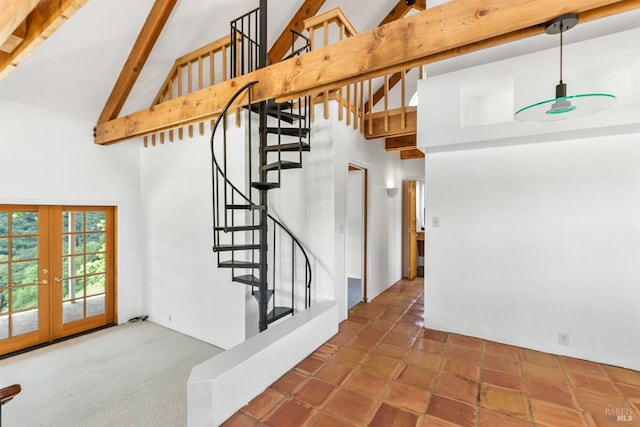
260,251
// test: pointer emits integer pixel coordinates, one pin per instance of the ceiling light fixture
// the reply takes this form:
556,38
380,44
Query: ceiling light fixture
563,106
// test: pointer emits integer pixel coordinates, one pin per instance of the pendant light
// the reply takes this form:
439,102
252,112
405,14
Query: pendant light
563,106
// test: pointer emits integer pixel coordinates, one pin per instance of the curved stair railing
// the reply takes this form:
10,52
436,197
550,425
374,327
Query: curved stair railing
6,395
241,231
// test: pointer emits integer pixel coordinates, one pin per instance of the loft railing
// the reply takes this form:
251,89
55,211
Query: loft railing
204,67
378,107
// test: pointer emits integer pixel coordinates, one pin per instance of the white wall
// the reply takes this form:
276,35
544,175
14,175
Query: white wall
313,203
535,240
540,229
46,158
184,288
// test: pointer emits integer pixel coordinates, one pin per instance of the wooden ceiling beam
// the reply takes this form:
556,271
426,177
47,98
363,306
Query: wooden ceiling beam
420,5
411,154
43,21
147,38
14,13
282,45
398,12
15,39
452,29
401,143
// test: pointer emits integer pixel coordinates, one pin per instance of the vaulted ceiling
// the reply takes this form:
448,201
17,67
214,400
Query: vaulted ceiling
75,68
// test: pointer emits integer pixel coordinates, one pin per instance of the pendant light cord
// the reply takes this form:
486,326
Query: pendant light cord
561,31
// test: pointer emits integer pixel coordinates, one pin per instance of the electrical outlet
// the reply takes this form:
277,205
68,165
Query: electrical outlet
435,221
563,338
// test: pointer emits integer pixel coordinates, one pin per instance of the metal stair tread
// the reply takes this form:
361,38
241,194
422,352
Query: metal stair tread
265,185
238,264
247,279
296,132
256,294
245,207
238,228
278,313
289,147
284,164
236,247
278,113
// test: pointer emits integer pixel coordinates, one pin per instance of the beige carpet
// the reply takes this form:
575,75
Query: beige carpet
130,375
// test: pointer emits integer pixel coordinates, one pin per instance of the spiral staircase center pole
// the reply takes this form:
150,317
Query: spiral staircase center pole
263,300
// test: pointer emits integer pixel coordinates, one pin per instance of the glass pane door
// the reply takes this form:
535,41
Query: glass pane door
24,292
83,257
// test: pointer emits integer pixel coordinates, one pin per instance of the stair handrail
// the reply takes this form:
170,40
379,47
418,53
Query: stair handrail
219,119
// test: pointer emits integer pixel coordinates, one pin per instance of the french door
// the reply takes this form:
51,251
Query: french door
56,272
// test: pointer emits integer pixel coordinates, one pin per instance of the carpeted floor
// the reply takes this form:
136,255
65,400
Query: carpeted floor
130,375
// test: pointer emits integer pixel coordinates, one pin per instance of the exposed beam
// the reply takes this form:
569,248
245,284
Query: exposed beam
15,38
400,143
283,44
445,31
43,21
147,38
411,154
14,12
398,12
420,5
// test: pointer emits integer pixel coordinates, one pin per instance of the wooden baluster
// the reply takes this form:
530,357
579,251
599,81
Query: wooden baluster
361,107
161,137
225,61
212,79
190,89
403,114
348,105
153,139
180,134
386,103
170,95
355,105
146,141
370,108
200,86
326,92
312,111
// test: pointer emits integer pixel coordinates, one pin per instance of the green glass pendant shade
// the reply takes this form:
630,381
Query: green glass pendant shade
563,106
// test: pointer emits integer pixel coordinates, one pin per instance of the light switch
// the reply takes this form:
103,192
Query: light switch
435,221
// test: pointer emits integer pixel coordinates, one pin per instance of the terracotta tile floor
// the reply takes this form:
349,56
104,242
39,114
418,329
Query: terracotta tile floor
384,369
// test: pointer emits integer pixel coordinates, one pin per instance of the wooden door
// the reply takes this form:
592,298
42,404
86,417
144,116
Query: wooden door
409,229
56,272
82,268
24,277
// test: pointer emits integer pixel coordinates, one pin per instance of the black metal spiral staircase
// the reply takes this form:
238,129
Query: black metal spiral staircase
247,238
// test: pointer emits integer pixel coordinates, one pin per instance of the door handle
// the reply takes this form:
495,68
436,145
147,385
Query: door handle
42,282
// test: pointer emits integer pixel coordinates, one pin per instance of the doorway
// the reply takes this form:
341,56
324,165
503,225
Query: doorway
356,238
56,272
413,228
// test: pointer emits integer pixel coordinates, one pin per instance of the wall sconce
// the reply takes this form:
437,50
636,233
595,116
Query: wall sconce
392,192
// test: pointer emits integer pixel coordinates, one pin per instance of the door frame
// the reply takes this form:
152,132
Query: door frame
356,165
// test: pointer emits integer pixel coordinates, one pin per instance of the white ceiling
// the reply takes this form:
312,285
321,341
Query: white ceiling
74,71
